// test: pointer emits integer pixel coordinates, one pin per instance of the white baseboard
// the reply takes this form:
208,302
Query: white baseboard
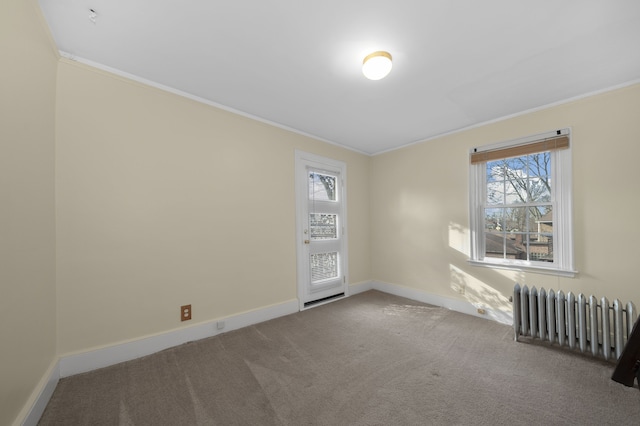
445,302
41,395
360,287
104,357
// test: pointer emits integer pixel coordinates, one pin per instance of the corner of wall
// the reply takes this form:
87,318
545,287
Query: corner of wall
444,302
37,403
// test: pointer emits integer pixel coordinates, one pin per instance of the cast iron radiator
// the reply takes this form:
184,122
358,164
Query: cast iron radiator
577,322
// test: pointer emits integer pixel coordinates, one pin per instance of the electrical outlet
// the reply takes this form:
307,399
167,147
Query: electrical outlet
185,313
220,325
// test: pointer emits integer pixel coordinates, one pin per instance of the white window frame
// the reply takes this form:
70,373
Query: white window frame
563,264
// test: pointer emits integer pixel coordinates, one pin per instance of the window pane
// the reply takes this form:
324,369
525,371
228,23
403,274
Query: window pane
322,187
495,171
494,244
516,180
495,192
538,185
495,182
539,189
541,247
539,164
516,246
515,219
493,220
515,190
515,168
323,226
324,266
540,219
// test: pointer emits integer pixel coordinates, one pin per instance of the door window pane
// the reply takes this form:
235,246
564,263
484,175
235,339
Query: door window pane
322,187
323,226
324,266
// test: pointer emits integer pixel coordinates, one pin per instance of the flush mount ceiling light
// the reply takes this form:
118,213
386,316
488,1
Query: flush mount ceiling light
376,65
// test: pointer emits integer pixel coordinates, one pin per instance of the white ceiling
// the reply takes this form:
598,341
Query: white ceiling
297,63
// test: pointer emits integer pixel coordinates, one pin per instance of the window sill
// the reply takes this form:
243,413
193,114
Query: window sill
524,268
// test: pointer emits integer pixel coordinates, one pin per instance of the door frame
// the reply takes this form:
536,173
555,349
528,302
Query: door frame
302,161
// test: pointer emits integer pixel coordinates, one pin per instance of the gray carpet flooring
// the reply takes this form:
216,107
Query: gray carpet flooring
370,359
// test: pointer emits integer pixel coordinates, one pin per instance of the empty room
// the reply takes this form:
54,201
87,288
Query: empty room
331,213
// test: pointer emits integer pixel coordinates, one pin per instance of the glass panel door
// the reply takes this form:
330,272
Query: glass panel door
321,229
324,207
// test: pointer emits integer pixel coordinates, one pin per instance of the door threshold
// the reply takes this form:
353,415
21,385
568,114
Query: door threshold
324,300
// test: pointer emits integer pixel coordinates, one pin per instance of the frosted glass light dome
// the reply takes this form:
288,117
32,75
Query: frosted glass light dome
377,65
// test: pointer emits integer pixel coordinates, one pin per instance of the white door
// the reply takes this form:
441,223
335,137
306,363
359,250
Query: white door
321,223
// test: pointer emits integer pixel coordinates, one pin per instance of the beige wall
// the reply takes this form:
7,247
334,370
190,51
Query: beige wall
420,205
27,239
163,201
